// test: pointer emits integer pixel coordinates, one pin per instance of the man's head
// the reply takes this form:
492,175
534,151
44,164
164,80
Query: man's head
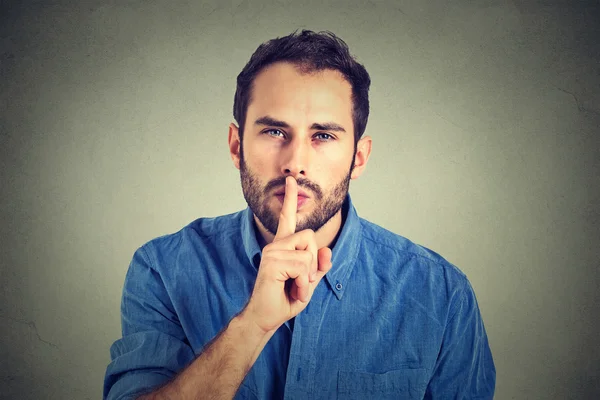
311,52
302,107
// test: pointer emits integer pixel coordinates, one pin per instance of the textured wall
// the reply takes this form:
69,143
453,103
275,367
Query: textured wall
485,120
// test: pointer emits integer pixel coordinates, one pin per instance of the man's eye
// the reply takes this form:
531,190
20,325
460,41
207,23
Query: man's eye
325,137
274,132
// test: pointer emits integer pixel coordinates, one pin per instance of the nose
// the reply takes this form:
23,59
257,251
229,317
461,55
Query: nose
295,158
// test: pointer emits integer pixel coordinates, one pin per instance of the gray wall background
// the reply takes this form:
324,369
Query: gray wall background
485,120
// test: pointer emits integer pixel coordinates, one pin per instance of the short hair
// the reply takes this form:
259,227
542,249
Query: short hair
310,52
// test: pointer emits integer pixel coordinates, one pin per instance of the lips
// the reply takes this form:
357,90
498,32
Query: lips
302,196
301,200
301,193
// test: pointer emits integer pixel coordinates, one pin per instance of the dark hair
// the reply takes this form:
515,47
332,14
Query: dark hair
310,52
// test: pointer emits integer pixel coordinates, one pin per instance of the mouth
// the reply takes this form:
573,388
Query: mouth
301,199
301,193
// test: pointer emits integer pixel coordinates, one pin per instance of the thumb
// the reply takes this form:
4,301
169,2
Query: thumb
324,260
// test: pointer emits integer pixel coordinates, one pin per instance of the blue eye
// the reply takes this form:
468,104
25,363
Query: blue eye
324,137
269,132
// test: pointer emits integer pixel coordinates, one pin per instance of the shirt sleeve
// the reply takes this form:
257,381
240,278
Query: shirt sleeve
154,347
464,368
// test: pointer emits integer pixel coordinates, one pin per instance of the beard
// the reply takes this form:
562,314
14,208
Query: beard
259,197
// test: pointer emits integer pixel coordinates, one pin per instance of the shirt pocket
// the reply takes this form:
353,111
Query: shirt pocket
409,383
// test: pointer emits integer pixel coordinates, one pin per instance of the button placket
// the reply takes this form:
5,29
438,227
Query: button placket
312,321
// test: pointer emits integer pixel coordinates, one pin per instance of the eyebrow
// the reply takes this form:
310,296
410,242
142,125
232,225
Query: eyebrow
324,126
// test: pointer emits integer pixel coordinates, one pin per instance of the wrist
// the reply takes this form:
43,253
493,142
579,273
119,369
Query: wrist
246,321
251,333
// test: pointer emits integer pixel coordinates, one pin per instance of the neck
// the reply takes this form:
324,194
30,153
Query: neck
325,236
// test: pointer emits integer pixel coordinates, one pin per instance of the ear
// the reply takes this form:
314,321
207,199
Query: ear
234,144
363,151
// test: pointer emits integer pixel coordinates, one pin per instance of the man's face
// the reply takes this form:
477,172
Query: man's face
298,125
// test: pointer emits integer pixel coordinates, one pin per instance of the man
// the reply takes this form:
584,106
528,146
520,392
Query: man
297,297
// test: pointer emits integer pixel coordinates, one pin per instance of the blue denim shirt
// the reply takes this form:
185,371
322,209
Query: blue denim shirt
391,319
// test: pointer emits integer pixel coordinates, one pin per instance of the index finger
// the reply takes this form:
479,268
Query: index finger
287,218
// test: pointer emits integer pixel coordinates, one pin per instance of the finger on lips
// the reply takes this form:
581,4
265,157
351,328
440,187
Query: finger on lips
287,218
321,258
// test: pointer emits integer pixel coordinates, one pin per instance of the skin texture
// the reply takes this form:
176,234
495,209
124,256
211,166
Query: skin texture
259,197
320,160
296,254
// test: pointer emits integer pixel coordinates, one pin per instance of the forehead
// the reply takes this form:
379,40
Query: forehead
283,92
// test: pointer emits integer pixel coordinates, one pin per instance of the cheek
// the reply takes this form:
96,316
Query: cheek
334,162
330,174
259,159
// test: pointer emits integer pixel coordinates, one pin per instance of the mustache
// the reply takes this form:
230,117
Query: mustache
302,183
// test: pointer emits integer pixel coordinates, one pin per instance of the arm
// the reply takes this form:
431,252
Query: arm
464,368
154,347
221,368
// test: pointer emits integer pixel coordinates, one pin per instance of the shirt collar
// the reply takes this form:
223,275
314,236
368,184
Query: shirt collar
344,252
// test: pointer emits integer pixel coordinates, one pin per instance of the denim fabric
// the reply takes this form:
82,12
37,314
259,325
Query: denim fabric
391,319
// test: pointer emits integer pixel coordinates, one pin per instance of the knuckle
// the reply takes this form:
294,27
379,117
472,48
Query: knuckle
310,255
267,256
299,263
308,258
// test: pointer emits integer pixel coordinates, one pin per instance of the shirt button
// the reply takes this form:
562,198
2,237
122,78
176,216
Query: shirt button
338,286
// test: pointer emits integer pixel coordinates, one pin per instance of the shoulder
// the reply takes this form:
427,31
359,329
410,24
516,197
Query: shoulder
409,257
199,235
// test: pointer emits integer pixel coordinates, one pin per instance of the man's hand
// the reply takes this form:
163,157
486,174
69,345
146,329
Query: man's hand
290,269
